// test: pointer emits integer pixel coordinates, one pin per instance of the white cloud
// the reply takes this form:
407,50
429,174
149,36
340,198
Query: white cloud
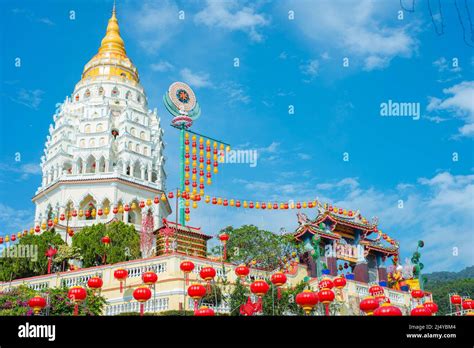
152,23
310,68
235,93
346,182
304,156
196,80
25,170
358,29
29,98
15,220
459,101
161,66
442,65
227,15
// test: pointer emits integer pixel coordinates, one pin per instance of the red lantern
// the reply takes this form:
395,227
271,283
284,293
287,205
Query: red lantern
433,307
149,278
242,271
196,292
50,223
105,240
208,273
275,206
420,311
339,282
307,300
375,290
121,275
204,312
142,294
237,204
1,240
259,287
71,232
186,267
62,217
298,205
88,213
170,195
368,305
264,206
224,237
37,303
417,293
278,279
100,212
13,238
142,204
456,300
326,283
37,229
95,283
387,310
156,200
126,207
74,213
467,304
326,296
77,294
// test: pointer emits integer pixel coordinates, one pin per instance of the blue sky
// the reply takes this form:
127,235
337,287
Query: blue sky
283,62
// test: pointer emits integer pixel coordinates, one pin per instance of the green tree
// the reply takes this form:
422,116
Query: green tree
442,289
286,304
237,298
36,263
124,245
249,243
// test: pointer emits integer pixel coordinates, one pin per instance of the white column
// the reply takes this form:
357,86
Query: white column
125,216
142,168
132,169
156,216
107,161
150,172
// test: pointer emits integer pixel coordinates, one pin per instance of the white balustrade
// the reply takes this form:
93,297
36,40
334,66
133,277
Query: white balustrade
151,306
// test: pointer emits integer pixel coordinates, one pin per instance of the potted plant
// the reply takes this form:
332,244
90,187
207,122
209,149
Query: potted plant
325,270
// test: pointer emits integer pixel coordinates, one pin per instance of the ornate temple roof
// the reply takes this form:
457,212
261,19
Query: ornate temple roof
111,59
187,229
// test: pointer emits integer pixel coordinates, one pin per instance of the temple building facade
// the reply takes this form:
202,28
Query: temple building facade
105,149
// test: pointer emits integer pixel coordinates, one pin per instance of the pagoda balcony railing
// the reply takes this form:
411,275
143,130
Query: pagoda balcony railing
101,175
78,280
223,307
153,305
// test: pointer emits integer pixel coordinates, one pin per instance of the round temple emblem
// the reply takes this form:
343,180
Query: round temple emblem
182,96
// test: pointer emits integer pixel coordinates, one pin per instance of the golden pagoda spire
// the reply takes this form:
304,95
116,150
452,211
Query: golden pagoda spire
112,42
111,60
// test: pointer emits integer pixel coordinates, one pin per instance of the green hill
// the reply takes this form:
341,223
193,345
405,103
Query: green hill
441,284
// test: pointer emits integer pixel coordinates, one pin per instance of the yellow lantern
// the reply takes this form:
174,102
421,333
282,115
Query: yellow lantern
214,145
7,239
201,192
193,138
93,213
194,164
186,161
201,166
134,205
201,140
245,204
214,157
257,205
292,205
269,205
32,230
208,168
201,153
194,190
231,202
106,211
163,197
221,147
194,177
43,226
55,220
186,135
186,148
186,217
148,202
186,175
208,142
208,155
282,206
194,151
186,188
216,170
227,148
207,199
186,203
209,181
305,205
120,209
201,179
195,205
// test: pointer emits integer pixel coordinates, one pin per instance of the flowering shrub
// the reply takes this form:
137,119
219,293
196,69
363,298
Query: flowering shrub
15,302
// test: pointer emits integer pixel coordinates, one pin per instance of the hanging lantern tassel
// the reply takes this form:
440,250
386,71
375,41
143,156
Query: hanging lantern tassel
142,308
76,309
195,305
186,278
208,287
279,293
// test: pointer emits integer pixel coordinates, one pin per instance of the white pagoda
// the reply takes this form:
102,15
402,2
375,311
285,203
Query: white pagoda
104,152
